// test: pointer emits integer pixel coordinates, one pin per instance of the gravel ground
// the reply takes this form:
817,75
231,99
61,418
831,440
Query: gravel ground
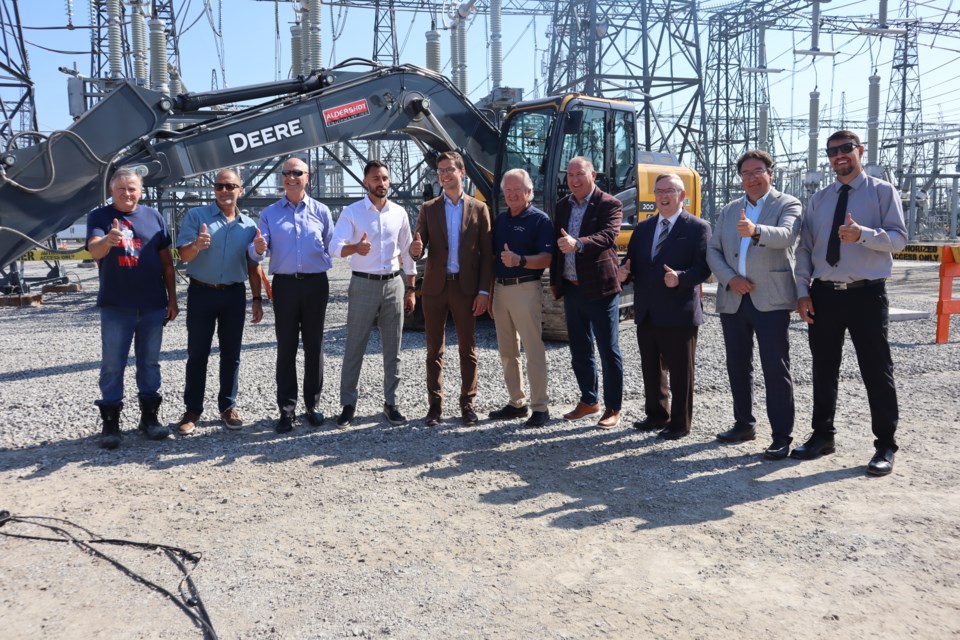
489,531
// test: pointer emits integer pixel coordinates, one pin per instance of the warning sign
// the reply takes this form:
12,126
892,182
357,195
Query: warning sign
349,111
920,252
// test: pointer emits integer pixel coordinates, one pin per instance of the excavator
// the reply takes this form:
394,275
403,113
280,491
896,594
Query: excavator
45,187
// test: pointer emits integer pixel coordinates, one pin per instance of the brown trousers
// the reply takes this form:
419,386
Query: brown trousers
435,309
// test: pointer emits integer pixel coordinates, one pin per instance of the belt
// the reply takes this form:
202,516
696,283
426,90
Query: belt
298,276
575,283
377,276
453,276
842,286
201,283
509,281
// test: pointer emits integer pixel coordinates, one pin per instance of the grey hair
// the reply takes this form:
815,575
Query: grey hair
524,177
671,176
585,161
124,173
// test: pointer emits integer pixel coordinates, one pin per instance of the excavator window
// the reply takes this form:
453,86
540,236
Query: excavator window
526,145
586,141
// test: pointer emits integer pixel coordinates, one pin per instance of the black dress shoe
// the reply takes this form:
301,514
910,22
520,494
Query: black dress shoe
315,418
650,425
285,423
737,434
537,419
346,415
815,447
393,415
778,449
881,463
672,434
433,416
469,416
509,412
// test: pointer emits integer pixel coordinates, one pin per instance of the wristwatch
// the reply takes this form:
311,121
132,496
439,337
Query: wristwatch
523,261
411,289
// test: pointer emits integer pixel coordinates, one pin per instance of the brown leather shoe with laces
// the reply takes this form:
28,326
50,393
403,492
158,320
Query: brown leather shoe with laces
231,418
583,410
188,423
609,419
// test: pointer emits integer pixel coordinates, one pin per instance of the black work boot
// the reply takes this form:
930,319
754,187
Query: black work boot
149,423
110,434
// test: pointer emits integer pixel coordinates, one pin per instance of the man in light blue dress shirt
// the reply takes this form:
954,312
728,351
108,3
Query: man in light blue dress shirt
213,242
297,231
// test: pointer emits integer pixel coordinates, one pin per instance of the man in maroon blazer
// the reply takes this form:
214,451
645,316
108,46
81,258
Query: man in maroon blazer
584,273
455,231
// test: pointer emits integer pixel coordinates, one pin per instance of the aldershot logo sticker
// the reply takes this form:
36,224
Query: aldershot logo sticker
349,111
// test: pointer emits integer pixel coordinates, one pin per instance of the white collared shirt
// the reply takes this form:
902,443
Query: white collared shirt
388,232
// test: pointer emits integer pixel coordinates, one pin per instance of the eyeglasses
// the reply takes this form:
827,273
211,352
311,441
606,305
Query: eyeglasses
295,173
229,186
756,173
846,147
665,192
447,170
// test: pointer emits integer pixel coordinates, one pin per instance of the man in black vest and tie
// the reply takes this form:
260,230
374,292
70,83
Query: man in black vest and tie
849,234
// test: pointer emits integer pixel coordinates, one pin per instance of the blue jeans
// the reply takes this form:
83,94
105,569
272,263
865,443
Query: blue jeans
119,327
587,319
209,310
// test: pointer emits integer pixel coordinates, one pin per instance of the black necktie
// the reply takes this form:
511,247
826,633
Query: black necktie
833,246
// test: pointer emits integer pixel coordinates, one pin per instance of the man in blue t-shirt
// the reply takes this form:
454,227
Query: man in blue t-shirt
523,244
138,295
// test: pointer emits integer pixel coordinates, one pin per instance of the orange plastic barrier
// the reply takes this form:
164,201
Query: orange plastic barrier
947,306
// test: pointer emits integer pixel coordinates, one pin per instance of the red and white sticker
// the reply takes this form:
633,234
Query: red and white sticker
349,111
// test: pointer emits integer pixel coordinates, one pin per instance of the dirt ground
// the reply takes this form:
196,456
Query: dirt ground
494,531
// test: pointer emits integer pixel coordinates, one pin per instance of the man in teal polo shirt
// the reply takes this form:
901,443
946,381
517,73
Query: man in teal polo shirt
213,242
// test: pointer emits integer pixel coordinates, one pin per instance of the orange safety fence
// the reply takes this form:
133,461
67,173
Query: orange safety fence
946,305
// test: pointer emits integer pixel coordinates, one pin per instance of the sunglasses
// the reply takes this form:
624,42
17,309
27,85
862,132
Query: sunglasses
229,186
846,147
295,173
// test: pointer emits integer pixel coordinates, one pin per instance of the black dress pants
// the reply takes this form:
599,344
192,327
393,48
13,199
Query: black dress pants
865,312
300,308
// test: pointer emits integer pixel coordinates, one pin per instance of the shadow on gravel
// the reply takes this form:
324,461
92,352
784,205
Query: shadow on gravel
590,477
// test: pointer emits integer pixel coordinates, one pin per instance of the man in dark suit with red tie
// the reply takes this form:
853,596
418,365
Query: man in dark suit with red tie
667,259
584,273
454,229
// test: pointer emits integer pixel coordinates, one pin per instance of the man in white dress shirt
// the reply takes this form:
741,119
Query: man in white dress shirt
374,233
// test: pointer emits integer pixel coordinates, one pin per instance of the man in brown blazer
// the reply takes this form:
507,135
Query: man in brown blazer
584,273
458,276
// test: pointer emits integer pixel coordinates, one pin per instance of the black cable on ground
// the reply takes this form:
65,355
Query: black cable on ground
189,596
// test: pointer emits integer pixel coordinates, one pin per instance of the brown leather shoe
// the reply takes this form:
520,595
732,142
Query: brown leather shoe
231,418
609,419
188,423
432,418
468,416
583,410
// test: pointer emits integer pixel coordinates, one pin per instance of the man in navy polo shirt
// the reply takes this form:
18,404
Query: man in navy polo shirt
138,295
523,242
213,242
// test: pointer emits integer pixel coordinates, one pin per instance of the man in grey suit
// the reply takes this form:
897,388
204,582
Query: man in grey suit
751,253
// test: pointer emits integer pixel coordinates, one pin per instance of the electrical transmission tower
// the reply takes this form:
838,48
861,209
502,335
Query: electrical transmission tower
16,87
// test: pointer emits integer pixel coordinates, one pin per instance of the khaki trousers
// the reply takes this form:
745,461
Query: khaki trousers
517,311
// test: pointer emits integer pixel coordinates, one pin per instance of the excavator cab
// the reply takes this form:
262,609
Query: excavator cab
542,136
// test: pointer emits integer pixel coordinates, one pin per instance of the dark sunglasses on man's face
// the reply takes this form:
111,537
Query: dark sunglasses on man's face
846,147
229,186
296,173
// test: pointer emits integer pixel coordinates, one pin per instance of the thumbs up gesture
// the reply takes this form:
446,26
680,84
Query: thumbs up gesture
114,237
509,258
363,246
203,239
745,228
670,278
623,272
416,247
260,243
850,232
566,243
